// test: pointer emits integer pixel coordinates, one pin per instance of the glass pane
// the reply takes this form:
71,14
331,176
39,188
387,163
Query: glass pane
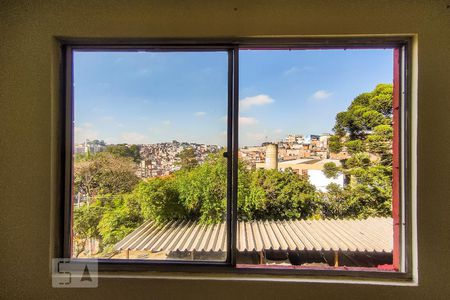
149,177
315,171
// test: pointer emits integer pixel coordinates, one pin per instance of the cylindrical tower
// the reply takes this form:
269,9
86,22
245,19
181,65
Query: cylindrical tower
271,157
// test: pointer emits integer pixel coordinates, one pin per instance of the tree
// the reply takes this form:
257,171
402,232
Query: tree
380,143
367,128
159,200
331,170
97,142
188,159
104,173
366,111
203,189
336,203
122,150
200,194
120,217
278,195
334,144
354,146
85,221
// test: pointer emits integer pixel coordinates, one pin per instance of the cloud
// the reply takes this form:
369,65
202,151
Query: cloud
143,72
291,71
257,100
111,121
199,114
119,59
253,138
321,95
278,131
134,138
85,131
259,136
247,121
167,122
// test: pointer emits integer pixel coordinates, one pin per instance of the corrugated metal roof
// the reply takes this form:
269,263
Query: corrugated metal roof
371,235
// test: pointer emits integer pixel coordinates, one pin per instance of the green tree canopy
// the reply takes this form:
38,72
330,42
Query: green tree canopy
277,195
159,200
85,221
331,170
104,173
366,111
188,159
365,129
123,150
120,217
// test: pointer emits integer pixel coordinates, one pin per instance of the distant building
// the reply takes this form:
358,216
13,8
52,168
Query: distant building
313,168
294,138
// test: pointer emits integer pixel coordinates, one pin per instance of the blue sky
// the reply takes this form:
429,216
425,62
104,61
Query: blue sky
150,97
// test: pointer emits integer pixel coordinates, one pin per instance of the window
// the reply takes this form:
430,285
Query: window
267,156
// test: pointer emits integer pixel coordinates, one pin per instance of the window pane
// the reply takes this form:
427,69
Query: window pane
315,172
149,177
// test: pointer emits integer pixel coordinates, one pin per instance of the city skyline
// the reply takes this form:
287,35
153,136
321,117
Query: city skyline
154,97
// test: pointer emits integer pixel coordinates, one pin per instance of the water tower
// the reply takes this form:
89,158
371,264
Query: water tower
271,157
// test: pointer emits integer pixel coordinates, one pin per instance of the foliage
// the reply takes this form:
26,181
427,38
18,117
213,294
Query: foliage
277,195
334,144
159,200
85,221
119,219
104,173
203,189
97,142
201,194
188,159
380,143
335,203
366,111
331,170
122,150
354,146
367,128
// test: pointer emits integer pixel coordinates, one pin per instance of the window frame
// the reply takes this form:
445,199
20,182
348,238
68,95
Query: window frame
228,269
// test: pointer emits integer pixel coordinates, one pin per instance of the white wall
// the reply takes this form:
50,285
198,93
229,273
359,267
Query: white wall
320,181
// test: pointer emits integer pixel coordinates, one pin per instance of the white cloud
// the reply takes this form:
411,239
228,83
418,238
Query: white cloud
253,138
85,131
167,122
321,95
199,114
247,121
257,100
258,136
291,71
134,138
111,121
143,72
278,131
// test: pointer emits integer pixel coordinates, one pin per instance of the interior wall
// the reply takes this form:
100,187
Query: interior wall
29,124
